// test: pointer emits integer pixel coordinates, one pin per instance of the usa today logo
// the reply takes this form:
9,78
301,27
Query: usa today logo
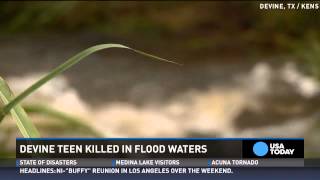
261,149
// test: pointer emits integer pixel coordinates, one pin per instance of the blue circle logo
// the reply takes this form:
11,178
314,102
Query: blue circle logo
260,148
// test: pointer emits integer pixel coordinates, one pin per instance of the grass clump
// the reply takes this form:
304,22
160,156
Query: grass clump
11,103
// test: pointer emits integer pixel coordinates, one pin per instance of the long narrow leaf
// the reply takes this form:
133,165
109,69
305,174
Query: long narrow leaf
63,117
63,67
24,124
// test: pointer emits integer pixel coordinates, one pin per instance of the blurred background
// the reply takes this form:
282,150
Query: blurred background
246,73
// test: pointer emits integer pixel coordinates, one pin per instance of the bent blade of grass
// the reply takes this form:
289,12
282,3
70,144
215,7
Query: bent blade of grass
64,117
68,64
24,124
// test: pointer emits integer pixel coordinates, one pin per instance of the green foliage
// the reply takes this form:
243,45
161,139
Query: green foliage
24,16
312,56
219,28
186,18
12,103
24,124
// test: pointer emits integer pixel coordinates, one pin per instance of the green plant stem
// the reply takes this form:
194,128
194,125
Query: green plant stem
24,124
63,67
2,114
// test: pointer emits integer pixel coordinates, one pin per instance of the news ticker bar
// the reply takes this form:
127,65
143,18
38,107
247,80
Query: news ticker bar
13,162
159,152
163,148
159,162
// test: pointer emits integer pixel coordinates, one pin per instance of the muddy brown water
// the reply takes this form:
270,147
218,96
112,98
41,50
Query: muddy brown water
214,86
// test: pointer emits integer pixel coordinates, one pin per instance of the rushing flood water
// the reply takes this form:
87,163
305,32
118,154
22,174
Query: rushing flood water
127,96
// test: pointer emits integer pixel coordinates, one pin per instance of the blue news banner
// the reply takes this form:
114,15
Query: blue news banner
157,157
